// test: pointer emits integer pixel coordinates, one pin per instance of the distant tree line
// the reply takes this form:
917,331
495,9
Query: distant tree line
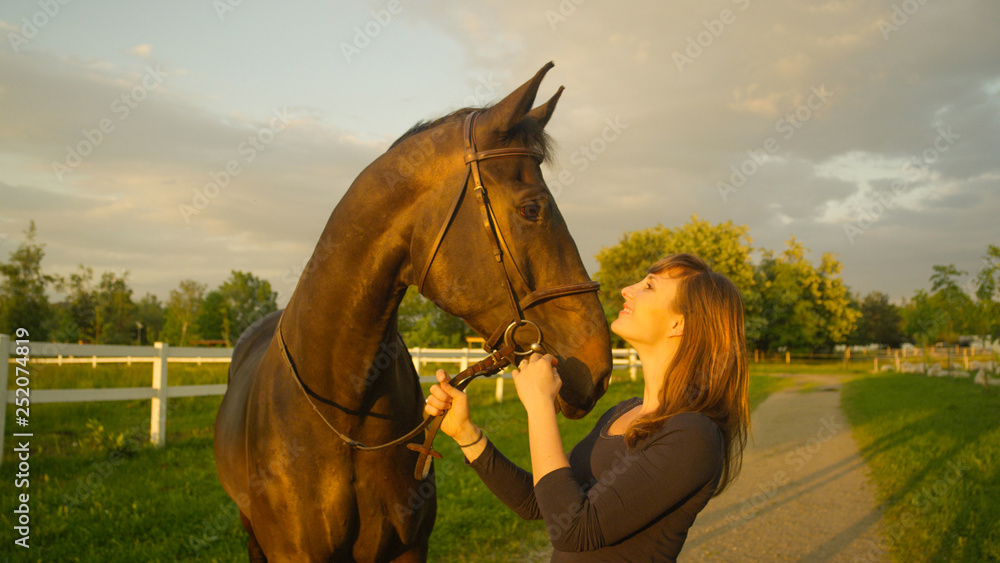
102,310
790,303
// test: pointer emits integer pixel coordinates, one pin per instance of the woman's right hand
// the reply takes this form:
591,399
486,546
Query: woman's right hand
455,404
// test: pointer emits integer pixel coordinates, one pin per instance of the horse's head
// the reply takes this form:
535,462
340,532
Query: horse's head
453,250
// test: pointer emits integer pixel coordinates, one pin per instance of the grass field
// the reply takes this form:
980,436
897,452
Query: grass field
933,448
100,493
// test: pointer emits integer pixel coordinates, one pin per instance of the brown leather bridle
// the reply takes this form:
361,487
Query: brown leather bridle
502,344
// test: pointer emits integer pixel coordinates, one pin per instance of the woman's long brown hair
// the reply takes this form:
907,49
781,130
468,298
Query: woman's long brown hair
709,374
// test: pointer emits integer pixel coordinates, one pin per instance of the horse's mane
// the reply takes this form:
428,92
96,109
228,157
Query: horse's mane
527,131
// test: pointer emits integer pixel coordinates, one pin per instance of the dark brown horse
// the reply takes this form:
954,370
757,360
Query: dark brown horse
304,494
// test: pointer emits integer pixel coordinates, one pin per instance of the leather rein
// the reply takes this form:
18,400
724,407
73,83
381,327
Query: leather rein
502,344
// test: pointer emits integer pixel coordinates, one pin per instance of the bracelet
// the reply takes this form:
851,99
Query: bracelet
475,442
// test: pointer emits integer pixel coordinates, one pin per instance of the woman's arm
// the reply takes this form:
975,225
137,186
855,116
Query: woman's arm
511,484
636,488
538,384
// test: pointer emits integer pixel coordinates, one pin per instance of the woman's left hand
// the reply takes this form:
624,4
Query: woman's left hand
537,382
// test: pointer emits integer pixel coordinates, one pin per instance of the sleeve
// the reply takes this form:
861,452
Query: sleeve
508,482
641,485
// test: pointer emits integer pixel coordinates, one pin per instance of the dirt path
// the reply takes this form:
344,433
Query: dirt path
803,494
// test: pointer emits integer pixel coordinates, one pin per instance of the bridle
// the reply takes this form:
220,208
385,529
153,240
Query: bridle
501,344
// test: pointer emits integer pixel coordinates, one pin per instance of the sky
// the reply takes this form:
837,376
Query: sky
867,129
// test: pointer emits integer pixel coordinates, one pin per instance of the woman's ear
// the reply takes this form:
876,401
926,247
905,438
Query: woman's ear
676,327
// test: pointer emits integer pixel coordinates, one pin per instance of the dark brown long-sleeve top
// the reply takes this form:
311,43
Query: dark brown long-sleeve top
614,503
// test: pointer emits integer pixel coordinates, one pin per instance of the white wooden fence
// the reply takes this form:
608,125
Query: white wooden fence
161,355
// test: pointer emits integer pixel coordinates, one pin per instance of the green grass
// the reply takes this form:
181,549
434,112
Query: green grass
933,449
89,503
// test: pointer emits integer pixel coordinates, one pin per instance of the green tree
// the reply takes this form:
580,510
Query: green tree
79,321
725,247
149,315
986,322
881,322
806,307
247,298
23,302
231,308
422,324
115,310
213,321
182,310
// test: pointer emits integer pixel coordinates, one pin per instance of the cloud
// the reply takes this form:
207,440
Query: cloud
752,75
145,50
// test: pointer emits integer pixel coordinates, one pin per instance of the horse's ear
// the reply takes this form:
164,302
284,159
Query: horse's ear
542,113
510,110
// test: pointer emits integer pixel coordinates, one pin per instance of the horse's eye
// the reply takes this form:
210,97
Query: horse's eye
530,211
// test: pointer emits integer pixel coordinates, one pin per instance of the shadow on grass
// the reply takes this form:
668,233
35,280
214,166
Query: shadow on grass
933,446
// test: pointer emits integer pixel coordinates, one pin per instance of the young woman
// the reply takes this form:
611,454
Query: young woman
631,489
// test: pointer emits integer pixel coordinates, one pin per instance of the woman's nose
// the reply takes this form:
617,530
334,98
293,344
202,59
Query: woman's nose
626,291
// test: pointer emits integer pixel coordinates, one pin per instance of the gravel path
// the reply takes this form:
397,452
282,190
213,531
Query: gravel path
803,494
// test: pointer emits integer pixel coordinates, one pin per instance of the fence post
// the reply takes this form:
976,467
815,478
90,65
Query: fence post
633,370
500,387
416,359
847,357
876,364
465,359
158,417
4,368
788,356
756,356
898,367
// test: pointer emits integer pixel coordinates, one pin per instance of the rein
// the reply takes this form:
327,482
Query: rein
501,345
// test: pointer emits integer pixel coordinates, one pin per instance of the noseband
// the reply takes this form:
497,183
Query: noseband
502,344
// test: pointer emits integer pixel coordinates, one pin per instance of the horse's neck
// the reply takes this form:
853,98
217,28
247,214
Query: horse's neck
342,314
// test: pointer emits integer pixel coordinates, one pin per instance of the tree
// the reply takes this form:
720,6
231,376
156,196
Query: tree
23,302
213,317
182,310
114,310
986,322
246,298
231,308
149,314
422,324
725,247
945,314
806,307
79,310
881,322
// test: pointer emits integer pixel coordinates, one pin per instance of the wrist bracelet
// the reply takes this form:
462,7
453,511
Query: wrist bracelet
475,442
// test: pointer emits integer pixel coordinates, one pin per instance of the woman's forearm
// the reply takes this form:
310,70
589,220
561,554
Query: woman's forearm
547,452
472,441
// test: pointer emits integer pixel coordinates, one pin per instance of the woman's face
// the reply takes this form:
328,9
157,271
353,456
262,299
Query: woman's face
648,316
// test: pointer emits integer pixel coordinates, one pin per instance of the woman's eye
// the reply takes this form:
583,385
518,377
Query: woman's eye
530,211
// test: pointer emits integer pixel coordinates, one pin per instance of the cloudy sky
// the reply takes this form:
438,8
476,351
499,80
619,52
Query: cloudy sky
868,129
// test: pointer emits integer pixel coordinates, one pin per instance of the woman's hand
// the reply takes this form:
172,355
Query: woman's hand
538,382
455,404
